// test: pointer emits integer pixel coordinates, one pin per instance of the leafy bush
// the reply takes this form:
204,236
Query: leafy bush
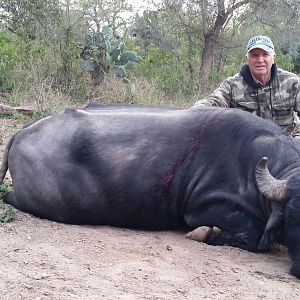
8,60
285,61
163,69
7,212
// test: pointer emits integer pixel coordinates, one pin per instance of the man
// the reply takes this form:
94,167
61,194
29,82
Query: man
261,88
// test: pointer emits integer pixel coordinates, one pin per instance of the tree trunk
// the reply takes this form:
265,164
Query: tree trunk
190,58
206,60
97,77
211,34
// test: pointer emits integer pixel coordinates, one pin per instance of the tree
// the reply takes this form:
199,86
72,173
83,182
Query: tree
99,13
214,17
149,30
30,18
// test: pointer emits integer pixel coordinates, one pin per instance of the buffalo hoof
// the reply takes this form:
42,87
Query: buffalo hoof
201,233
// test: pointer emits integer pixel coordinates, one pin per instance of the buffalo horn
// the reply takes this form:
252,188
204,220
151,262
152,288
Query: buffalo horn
269,186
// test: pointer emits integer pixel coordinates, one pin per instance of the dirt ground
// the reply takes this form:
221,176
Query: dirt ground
41,259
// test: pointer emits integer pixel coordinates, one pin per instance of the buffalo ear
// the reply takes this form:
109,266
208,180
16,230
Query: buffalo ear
273,189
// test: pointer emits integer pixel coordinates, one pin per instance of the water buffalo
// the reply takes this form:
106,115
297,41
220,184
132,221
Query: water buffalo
155,168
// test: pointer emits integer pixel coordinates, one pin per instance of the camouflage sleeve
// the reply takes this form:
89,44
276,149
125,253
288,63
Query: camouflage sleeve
296,131
219,97
297,100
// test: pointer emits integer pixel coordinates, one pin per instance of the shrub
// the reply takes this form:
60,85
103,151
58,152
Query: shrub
7,212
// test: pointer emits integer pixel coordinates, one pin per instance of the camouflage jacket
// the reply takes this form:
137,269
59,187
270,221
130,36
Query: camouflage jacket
278,101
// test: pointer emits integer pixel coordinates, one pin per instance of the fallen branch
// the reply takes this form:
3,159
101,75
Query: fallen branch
9,110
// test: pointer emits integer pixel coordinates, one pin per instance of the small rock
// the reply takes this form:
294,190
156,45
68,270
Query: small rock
41,276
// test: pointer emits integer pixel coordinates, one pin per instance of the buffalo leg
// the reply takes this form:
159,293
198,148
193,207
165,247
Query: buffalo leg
217,237
273,224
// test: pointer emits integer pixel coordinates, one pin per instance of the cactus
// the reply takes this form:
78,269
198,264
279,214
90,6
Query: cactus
102,54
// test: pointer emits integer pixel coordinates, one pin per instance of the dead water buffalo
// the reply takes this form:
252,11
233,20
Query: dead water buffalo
162,169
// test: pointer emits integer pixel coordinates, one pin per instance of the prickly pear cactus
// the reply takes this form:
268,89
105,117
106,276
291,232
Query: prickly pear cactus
101,54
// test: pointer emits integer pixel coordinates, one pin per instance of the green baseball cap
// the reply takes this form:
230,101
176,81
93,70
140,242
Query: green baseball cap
261,42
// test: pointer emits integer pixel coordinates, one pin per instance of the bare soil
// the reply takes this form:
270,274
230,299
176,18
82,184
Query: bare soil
41,259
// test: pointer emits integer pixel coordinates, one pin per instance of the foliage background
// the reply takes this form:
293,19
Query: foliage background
188,47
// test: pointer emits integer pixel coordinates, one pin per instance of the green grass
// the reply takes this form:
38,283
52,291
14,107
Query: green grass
7,212
4,116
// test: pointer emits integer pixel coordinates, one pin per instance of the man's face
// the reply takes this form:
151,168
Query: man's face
260,62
